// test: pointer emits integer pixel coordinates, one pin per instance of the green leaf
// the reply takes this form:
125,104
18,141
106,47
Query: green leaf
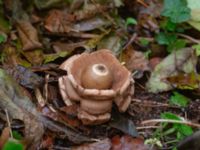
147,53
13,145
130,21
2,39
177,44
17,135
176,10
165,38
168,115
168,25
185,130
51,57
179,100
182,129
143,41
197,49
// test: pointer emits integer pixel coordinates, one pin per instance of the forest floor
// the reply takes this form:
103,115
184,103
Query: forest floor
153,45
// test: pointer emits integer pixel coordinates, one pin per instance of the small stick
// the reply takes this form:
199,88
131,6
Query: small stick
189,38
134,36
171,121
142,3
147,127
152,103
46,88
8,121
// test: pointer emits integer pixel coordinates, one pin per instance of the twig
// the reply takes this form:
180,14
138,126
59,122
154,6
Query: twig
147,127
131,40
171,121
8,121
142,3
149,39
46,88
189,38
152,103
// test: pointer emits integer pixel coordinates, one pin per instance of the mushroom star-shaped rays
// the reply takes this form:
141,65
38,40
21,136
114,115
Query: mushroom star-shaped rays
95,80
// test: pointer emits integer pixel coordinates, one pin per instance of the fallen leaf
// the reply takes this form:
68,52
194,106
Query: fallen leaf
90,10
123,124
112,42
69,47
183,60
35,57
24,76
51,57
28,35
59,22
4,136
46,3
195,17
91,24
100,145
47,142
20,107
11,57
128,143
188,81
69,115
134,60
153,62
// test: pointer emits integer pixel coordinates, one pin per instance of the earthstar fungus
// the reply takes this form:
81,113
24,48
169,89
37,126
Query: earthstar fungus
96,80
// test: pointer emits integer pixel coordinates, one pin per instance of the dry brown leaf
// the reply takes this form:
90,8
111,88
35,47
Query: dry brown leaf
69,115
34,57
135,60
154,61
100,145
20,107
47,142
70,47
128,143
28,35
59,22
90,10
4,136
12,57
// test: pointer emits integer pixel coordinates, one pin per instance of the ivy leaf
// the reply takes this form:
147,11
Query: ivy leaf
175,45
176,10
165,38
179,99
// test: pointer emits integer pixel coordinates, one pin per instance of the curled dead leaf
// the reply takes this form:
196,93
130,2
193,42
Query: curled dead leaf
28,35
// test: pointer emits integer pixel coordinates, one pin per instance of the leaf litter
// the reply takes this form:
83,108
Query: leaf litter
36,37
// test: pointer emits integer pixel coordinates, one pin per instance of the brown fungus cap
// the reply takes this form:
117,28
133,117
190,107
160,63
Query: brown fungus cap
96,80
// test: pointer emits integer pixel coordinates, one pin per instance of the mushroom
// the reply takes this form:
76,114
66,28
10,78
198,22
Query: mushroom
96,80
